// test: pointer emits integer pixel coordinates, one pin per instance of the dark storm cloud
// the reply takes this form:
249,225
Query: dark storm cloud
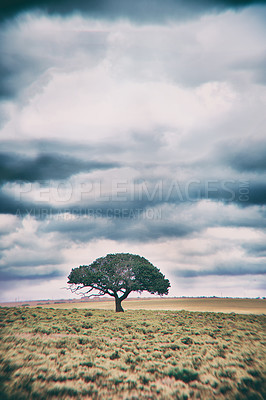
247,161
34,262
19,69
257,249
257,194
247,157
141,226
9,205
234,269
14,274
28,258
42,168
244,192
15,167
134,196
140,10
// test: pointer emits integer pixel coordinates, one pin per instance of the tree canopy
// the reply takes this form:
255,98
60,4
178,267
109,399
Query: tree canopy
118,275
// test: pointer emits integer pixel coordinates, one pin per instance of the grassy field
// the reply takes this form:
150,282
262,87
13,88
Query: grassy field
49,353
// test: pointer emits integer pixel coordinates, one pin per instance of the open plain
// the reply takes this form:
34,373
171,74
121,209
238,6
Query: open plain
86,351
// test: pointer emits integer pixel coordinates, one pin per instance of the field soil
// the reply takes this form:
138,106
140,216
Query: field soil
225,305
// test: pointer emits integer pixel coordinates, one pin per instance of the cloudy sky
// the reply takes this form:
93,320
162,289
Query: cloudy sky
133,127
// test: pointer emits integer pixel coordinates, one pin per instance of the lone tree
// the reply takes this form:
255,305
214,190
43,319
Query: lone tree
118,275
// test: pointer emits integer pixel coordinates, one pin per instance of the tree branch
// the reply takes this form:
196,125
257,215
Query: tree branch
95,295
125,294
78,290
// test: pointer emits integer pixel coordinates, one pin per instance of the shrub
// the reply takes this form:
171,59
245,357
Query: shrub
92,378
83,340
144,380
187,340
131,384
184,375
62,391
117,381
88,364
227,374
114,355
87,326
130,360
88,314
152,370
225,388
174,346
61,343
221,352
254,372
196,362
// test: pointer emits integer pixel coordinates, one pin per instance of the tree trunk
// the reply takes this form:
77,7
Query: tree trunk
118,307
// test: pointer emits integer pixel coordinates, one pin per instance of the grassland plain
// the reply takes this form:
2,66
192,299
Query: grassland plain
226,305
49,353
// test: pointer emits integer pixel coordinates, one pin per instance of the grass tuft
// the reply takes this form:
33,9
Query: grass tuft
184,375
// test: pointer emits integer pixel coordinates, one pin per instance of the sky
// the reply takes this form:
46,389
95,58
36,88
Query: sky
133,127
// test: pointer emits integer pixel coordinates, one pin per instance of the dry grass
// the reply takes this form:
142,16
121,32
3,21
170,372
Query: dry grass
98,354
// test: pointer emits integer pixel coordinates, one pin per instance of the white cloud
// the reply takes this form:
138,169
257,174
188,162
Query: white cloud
100,80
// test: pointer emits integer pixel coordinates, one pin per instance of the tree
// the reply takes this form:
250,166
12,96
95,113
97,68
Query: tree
118,275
